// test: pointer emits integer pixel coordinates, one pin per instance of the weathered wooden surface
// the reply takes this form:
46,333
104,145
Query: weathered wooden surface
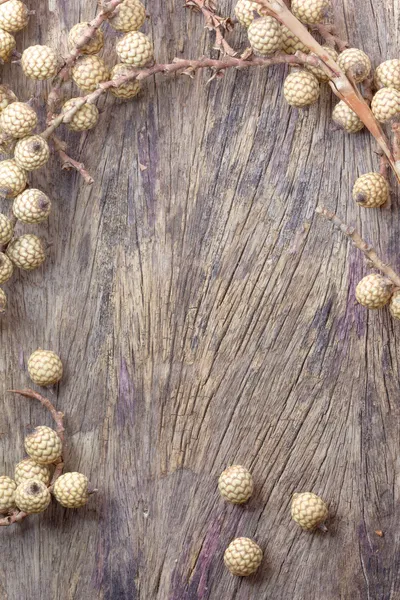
199,327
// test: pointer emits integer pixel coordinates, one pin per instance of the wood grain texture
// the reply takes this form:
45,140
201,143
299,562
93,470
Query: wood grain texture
206,317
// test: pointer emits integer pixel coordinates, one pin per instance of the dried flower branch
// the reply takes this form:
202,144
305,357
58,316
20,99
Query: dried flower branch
339,83
360,243
214,22
17,516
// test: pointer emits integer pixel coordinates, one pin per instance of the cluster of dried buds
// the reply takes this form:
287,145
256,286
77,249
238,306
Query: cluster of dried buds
243,556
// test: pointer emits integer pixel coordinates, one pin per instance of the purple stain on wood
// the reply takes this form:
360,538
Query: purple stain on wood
126,396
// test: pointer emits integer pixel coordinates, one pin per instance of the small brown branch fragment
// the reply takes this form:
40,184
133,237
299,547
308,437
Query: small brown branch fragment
69,163
214,22
379,533
360,243
368,89
396,141
17,515
330,36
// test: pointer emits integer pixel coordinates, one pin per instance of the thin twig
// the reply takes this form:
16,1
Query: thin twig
396,140
339,83
330,36
214,22
359,243
17,515
69,163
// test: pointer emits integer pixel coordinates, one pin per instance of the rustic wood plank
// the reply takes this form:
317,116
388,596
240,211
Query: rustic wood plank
206,317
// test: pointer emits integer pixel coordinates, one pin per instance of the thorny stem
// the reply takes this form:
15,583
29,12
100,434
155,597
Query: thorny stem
339,83
17,516
214,22
359,243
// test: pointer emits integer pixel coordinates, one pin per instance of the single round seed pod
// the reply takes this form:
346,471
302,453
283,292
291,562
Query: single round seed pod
243,557
45,367
309,510
318,71
71,490
88,72
265,36
127,90
235,484
386,104
301,89
31,152
18,119
355,62
14,16
310,11
39,62
346,118
371,190
135,49
93,46
32,206
7,45
374,291
27,252
291,43
129,16
388,74
394,305
29,469
85,117
7,494
32,496
12,179
6,229
245,9
6,268
7,96
3,301
43,445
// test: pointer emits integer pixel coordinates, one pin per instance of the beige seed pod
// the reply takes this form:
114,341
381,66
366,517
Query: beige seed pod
71,490
7,494
135,49
29,469
12,179
355,62
39,62
32,496
88,72
6,229
7,96
127,90
18,119
243,557
245,9
3,301
43,445
371,190
386,104
85,117
374,291
32,206
31,152
346,118
394,305
309,510
310,11
387,74
93,46
301,89
265,36
235,484
14,16
27,252
6,268
129,16
318,71
291,43
45,367
7,45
